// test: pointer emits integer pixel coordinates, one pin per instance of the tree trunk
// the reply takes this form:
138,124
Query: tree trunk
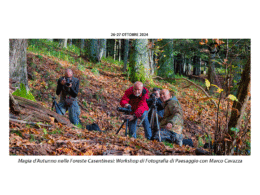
126,51
115,50
211,68
101,49
242,96
139,60
18,62
110,47
119,50
151,57
166,60
196,66
82,43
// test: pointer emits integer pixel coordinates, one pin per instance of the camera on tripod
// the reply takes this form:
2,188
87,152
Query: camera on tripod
126,110
68,82
153,100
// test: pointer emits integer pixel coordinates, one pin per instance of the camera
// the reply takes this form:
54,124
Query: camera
153,95
68,82
126,110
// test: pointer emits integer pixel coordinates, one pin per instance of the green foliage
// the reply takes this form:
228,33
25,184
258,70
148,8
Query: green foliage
21,92
44,131
32,138
79,125
95,71
200,142
168,144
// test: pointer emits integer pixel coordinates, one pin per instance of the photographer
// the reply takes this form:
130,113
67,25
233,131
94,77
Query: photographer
68,87
136,97
172,122
153,96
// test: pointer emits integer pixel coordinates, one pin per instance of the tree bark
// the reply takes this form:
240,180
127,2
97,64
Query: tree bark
139,60
18,62
211,68
243,97
126,52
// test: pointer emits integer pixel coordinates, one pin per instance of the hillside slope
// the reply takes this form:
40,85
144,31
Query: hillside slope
101,87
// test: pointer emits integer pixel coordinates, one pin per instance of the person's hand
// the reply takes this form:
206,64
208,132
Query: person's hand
70,85
168,126
129,117
63,81
126,105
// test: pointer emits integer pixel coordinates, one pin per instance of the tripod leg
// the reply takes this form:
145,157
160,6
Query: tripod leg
152,120
158,127
127,127
143,119
120,127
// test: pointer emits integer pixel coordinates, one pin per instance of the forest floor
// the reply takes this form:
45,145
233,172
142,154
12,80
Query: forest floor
101,87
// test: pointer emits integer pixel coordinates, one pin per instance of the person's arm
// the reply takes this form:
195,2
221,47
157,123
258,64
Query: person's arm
176,112
59,86
125,99
74,90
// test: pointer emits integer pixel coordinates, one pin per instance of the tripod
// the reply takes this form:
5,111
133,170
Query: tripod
56,105
154,116
125,121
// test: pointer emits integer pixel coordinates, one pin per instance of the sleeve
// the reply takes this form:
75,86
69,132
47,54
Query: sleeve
125,99
142,105
59,86
149,102
160,106
74,90
176,113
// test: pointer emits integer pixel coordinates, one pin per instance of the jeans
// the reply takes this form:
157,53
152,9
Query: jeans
146,125
74,111
169,136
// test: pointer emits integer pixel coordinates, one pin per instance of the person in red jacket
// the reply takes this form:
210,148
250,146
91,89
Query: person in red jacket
136,96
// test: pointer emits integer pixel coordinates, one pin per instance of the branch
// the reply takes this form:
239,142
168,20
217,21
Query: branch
192,84
30,123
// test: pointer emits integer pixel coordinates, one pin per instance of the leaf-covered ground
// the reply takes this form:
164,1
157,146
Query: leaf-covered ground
101,87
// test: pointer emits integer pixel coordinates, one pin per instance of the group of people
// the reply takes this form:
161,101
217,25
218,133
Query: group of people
169,110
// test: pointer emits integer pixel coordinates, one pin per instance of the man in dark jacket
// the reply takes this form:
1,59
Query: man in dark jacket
136,96
155,96
67,88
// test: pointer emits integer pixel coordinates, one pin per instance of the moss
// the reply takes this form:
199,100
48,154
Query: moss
22,92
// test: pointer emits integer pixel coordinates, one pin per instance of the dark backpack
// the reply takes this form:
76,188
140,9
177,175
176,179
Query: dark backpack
93,127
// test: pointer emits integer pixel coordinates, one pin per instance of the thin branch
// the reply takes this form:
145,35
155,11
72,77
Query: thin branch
30,123
192,84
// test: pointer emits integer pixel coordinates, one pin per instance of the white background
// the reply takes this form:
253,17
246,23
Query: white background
161,19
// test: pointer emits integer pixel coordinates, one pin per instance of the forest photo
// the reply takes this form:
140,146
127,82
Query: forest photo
84,97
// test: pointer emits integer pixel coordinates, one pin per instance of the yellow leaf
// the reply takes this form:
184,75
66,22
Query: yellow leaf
207,83
201,43
219,89
232,97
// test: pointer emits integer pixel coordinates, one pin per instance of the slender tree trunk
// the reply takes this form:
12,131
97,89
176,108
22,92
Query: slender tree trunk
196,67
126,51
101,49
151,57
18,61
119,50
211,68
115,50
